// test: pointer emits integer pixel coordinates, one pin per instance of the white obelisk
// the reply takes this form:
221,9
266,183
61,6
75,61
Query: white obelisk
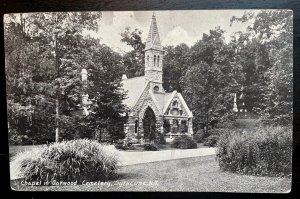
234,105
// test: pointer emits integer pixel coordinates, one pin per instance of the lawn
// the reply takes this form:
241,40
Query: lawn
201,174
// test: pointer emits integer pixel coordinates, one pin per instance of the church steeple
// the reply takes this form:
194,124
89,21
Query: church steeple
154,57
153,40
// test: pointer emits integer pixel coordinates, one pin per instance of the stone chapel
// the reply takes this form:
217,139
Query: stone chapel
152,109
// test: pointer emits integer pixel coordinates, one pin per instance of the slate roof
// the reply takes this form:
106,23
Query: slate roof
134,87
160,98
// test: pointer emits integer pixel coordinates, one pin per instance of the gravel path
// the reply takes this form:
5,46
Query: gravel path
139,157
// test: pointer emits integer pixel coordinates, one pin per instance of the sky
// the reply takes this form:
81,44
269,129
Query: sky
174,27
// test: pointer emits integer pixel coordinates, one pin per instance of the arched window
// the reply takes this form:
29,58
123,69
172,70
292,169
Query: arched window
156,88
183,127
175,103
136,125
175,126
154,59
158,61
166,126
147,60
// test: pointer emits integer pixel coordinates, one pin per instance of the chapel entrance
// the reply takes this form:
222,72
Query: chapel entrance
149,124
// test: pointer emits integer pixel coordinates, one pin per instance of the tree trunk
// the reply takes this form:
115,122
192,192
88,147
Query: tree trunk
57,121
100,134
57,99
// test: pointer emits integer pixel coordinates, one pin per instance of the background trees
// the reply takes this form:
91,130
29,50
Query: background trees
133,60
45,53
255,64
210,80
105,75
176,62
265,52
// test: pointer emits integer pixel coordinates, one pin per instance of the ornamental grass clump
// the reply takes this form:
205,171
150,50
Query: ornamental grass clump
68,161
265,150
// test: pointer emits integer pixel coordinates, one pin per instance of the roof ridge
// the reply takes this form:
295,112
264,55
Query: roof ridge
133,78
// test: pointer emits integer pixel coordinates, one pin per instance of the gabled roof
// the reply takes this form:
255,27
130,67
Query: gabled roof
169,100
153,40
133,102
190,114
160,100
134,87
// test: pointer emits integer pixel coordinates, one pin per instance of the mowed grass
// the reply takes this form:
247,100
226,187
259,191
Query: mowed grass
201,174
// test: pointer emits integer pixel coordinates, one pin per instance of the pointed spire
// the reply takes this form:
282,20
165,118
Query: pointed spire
153,40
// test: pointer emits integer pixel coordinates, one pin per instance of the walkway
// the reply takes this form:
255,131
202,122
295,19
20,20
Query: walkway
139,157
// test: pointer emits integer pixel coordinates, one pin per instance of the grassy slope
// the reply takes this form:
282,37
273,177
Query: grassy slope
192,174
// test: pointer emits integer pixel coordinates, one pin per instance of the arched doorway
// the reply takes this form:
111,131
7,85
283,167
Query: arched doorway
149,122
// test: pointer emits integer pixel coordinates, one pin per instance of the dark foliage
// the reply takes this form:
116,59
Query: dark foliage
160,138
184,142
265,150
211,140
150,147
199,136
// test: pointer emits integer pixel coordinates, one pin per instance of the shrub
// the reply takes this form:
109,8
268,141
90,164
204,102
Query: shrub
211,140
75,160
159,139
150,147
121,146
184,142
262,151
124,145
199,136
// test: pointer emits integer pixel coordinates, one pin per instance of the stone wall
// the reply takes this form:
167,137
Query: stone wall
137,114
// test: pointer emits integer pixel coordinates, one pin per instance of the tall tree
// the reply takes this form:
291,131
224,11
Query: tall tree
54,72
209,82
133,60
271,32
106,93
176,62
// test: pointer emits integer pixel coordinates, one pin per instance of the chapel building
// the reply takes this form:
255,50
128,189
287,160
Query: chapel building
152,109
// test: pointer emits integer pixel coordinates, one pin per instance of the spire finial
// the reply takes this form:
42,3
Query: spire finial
153,14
